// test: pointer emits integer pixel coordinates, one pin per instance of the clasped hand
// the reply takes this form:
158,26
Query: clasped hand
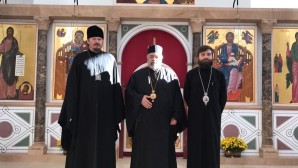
145,102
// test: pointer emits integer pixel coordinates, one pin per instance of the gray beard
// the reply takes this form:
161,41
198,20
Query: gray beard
154,66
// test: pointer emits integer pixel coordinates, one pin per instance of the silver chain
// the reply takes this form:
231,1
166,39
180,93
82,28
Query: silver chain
205,92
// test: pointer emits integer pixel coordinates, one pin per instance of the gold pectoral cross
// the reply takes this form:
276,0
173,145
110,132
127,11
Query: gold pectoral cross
153,95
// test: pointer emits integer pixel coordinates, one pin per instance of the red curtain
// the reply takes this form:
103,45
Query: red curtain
135,53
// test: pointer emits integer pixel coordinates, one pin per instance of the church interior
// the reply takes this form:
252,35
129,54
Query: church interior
262,109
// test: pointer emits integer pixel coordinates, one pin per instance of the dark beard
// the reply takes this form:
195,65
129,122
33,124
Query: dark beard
205,64
97,50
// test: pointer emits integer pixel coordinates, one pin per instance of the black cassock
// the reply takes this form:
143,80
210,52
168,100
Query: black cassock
92,108
152,136
204,122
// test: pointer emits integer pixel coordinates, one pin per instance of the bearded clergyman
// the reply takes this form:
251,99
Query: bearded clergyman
155,113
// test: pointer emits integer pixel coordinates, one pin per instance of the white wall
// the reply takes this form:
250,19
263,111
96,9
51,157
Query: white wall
199,3
18,2
71,2
223,3
274,4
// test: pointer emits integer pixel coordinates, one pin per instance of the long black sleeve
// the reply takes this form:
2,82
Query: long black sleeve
187,88
222,92
69,107
132,102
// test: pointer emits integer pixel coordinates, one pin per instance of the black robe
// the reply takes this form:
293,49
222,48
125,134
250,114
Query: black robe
152,135
91,112
204,122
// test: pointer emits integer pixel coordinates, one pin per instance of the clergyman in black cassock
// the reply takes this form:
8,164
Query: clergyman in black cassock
206,95
93,107
155,113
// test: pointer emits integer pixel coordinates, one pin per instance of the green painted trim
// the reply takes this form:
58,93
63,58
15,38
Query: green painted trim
126,28
250,119
183,29
252,144
24,116
296,133
23,142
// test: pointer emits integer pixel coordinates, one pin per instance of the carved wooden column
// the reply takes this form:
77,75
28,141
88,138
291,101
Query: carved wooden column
196,25
113,25
267,150
39,147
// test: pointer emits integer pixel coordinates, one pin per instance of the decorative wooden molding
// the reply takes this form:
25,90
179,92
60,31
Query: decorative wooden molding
267,25
196,24
16,104
113,23
43,22
54,104
247,107
161,13
286,107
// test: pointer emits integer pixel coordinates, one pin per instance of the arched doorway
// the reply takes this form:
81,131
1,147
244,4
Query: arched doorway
134,54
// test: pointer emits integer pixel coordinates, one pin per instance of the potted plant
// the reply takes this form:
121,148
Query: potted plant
60,146
233,146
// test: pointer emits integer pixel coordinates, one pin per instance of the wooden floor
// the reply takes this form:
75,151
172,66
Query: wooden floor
57,161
